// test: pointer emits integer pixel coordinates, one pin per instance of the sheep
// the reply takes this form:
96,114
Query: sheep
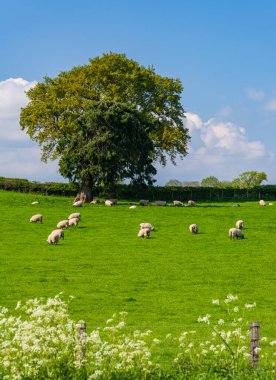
177,203
95,201
240,224
146,225
58,232
63,224
108,203
133,206
144,202
75,215
160,203
114,201
193,228
53,239
144,232
262,202
73,222
78,204
191,203
235,233
36,218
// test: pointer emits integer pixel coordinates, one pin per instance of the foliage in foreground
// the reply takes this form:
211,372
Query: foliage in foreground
40,341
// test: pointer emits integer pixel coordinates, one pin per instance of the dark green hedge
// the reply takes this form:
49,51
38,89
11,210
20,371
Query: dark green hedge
152,193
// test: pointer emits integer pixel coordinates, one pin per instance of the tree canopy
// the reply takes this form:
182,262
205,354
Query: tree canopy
210,182
249,179
57,103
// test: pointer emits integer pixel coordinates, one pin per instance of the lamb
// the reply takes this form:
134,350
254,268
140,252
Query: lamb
177,203
235,233
36,218
73,222
240,224
63,224
75,215
193,228
144,232
262,202
144,202
78,204
53,239
146,225
59,233
191,203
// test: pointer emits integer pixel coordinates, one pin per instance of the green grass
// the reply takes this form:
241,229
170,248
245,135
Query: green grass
164,282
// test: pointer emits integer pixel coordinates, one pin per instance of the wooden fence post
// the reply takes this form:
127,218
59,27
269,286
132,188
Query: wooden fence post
254,344
81,326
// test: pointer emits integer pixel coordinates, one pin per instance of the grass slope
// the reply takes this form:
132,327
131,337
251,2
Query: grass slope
164,282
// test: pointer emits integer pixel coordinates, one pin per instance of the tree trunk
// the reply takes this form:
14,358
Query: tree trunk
85,193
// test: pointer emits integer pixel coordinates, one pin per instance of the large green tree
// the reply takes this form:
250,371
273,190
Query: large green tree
110,144
56,104
210,182
250,179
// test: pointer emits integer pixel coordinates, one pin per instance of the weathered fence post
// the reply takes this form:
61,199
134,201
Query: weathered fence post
81,326
254,344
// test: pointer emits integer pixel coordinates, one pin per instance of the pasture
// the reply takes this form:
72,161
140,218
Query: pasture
164,282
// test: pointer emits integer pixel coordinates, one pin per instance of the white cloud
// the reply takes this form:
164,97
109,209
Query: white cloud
19,156
271,106
254,94
217,148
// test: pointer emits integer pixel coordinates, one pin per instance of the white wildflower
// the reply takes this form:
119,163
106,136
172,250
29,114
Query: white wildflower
109,321
221,321
250,306
236,309
264,338
215,302
273,343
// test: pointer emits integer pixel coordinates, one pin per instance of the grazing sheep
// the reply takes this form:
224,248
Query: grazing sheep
75,215
108,203
36,218
63,224
235,233
240,224
58,232
262,202
73,222
144,202
53,239
146,225
144,232
177,203
133,206
78,204
191,203
95,201
193,228
160,203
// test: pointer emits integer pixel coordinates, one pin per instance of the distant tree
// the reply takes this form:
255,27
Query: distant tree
190,184
173,182
225,184
247,180
210,182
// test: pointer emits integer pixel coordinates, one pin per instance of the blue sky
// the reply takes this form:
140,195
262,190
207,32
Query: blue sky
223,52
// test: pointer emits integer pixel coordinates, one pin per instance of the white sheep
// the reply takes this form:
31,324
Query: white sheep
78,204
58,232
108,203
240,224
262,202
73,222
177,203
95,201
235,233
36,218
144,202
53,239
75,215
144,232
160,203
193,228
63,224
191,203
146,225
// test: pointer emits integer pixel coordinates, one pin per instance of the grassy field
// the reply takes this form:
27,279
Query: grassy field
164,282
